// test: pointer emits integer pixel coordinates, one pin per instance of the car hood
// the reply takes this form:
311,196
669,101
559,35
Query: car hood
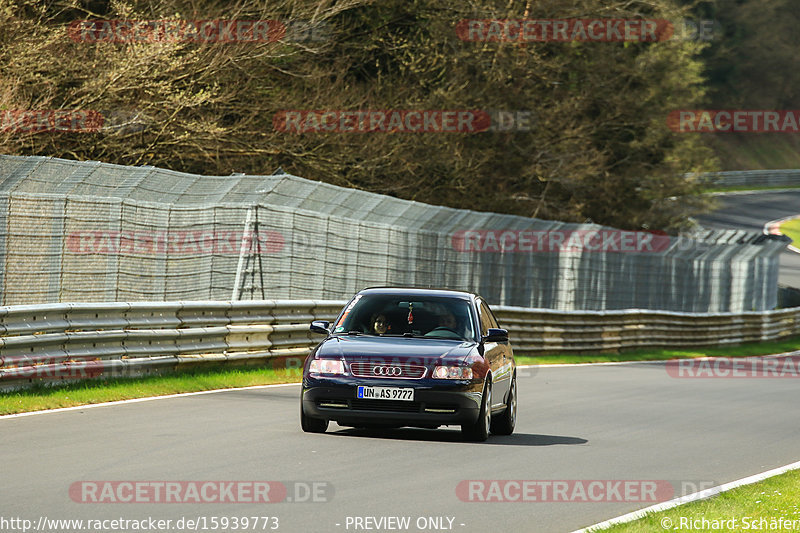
396,349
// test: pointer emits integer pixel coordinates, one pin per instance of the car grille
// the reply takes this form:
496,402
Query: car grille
389,406
395,406
389,371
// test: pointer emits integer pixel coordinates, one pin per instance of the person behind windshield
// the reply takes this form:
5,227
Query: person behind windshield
447,320
379,324
447,327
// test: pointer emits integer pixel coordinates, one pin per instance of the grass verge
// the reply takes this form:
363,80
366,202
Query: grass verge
108,390
770,500
101,390
791,228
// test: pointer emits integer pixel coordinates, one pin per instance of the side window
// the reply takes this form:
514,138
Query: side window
487,321
492,318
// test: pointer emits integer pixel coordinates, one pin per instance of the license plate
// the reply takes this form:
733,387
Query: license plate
386,393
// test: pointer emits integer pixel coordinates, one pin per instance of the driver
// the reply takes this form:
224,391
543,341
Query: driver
447,320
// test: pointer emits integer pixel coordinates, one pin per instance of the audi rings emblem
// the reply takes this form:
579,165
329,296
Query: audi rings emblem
387,370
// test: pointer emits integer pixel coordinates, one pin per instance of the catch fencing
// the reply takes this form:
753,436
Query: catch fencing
63,342
87,231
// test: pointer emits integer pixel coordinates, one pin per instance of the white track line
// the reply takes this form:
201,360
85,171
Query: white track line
149,398
697,496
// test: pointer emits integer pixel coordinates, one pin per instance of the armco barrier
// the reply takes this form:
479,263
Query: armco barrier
540,331
55,342
752,178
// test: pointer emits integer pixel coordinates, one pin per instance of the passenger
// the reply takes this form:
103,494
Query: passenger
379,324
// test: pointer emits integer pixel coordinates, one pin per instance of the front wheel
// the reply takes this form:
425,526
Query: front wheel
503,424
312,425
479,431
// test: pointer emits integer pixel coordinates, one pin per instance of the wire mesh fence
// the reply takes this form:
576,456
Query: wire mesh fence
86,231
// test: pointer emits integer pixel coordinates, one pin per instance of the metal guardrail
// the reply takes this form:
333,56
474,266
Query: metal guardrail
540,331
752,178
56,342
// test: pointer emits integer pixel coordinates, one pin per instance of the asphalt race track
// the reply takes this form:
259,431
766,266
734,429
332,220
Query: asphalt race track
615,422
751,211
610,422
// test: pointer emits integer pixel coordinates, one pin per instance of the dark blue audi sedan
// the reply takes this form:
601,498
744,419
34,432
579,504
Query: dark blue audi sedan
412,357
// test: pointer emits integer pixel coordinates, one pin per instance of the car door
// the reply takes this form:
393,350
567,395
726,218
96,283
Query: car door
496,354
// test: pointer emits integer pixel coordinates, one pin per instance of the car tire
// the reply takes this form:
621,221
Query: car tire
503,424
310,424
479,431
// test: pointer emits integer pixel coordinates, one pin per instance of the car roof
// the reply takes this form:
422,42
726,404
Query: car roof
410,291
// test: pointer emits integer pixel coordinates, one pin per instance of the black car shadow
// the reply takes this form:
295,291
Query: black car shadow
453,435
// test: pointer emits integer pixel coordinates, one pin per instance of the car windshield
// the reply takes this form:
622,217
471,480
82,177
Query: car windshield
403,315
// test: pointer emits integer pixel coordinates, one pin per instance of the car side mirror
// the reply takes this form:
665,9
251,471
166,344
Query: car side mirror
321,326
496,335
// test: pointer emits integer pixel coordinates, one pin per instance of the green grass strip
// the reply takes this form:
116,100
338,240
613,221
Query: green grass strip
791,228
108,390
756,507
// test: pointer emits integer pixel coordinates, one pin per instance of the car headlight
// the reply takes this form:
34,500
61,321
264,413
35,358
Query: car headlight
326,366
452,372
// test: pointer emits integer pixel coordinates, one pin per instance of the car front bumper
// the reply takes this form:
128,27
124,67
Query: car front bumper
436,402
